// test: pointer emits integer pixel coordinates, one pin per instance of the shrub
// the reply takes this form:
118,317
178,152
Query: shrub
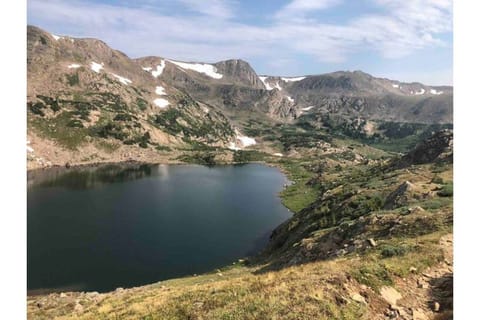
36,108
142,104
447,190
72,79
111,130
373,275
437,180
54,106
75,123
392,251
122,117
162,148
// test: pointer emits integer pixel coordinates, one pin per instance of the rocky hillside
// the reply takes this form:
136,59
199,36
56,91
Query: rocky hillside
368,240
358,94
84,96
370,161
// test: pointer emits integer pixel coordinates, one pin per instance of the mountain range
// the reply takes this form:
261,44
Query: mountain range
84,95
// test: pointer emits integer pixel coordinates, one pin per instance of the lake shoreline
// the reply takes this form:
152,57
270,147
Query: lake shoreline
95,165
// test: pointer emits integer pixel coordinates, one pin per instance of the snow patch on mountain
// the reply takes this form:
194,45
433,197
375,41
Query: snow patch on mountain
246,141
277,86
148,69
161,103
278,154
435,92
159,69
290,99
74,66
267,85
122,79
160,91
241,141
307,108
419,93
395,85
29,149
233,146
293,79
56,37
204,68
96,66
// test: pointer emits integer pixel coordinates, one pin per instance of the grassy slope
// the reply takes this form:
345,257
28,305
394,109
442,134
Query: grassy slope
315,288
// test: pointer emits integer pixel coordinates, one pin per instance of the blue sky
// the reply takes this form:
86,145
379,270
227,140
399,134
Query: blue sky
398,39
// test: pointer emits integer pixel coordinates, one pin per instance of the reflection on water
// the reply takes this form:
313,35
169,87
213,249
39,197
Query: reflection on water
92,177
98,228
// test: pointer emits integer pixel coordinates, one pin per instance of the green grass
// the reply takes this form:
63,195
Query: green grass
298,195
72,79
373,274
58,130
243,156
107,146
447,190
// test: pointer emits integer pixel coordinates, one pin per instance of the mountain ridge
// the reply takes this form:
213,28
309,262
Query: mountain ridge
103,96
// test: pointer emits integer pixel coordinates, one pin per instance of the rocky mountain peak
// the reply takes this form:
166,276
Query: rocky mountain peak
239,71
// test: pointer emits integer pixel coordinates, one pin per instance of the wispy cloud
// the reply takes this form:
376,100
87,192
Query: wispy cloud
215,8
300,8
397,29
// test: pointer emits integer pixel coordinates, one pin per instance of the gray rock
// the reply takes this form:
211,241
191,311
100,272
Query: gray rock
78,308
358,298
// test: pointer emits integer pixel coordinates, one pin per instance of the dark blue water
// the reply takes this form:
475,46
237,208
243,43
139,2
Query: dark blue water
116,226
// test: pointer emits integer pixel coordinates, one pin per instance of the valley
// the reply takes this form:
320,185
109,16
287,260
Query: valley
370,161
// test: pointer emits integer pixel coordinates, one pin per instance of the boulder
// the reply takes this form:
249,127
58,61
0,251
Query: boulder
390,295
358,298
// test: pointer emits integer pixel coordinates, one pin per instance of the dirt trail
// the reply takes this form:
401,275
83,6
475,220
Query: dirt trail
426,295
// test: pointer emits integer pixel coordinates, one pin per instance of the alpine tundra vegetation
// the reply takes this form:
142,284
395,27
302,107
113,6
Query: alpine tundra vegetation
369,159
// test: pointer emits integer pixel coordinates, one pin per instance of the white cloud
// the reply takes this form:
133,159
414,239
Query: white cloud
397,29
302,7
215,8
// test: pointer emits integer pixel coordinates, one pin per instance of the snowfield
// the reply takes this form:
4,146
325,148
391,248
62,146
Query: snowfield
233,147
293,79
246,141
204,68
159,69
96,66
267,86
122,79
278,154
290,99
74,66
422,91
56,37
435,92
161,103
395,85
160,91
148,69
